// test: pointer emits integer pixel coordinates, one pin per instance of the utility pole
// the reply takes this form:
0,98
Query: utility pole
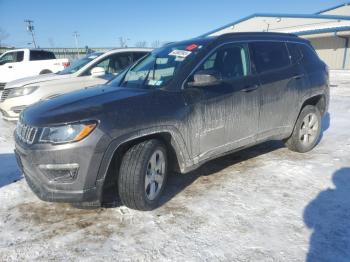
76,35
30,28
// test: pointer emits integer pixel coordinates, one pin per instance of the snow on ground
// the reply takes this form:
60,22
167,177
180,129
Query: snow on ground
261,204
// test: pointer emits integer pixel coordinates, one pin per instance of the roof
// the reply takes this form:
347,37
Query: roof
324,30
274,23
333,8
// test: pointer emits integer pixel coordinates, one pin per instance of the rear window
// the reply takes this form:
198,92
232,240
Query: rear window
41,55
309,54
294,52
269,56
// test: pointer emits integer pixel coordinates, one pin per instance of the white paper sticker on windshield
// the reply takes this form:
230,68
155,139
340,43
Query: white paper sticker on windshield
92,56
180,53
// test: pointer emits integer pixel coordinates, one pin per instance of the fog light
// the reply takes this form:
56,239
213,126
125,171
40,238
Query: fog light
60,172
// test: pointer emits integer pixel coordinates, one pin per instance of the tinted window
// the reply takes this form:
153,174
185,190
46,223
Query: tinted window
138,55
309,54
12,57
269,56
40,55
230,61
294,52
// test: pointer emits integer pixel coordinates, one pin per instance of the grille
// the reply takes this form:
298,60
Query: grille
2,86
26,133
4,95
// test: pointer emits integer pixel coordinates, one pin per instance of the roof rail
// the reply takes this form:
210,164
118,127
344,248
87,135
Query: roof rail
257,34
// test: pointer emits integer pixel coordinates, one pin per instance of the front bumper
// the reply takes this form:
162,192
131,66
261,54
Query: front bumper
85,187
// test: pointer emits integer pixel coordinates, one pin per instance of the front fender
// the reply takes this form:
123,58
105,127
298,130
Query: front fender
177,143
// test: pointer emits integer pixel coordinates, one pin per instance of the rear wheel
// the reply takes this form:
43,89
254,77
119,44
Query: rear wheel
45,71
142,175
307,130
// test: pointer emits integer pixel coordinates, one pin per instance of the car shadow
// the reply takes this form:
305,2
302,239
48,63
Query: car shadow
177,182
328,215
9,172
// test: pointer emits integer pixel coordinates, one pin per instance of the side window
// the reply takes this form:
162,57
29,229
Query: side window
138,55
115,63
294,52
19,56
309,54
231,61
40,55
269,56
12,57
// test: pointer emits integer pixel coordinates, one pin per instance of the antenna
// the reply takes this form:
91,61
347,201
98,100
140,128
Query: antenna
30,28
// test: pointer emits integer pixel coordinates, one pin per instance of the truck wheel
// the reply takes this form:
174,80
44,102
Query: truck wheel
306,131
45,71
142,175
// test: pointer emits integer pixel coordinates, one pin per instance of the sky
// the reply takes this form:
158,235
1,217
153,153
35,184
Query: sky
100,23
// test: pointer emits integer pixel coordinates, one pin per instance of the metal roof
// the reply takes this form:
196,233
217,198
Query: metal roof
333,8
311,16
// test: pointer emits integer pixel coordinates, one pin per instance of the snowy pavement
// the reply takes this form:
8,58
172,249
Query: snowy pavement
262,204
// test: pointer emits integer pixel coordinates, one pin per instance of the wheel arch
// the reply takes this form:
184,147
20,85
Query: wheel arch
177,154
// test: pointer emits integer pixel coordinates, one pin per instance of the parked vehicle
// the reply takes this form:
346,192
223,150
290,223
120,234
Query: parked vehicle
20,63
180,106
93,69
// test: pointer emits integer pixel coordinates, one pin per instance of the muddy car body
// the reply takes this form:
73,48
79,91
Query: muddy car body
182,105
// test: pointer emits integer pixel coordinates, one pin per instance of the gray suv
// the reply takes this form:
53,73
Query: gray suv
175,109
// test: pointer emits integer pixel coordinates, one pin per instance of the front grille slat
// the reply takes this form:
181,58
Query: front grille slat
4,95
2,86
25,133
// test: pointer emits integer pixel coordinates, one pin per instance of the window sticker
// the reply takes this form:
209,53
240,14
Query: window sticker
154,82
92,57
191,47
180,53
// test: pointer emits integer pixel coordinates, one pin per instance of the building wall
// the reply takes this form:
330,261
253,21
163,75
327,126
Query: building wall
331,50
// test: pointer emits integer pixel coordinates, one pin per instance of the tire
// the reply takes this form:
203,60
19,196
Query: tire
142,175
307,130
45,71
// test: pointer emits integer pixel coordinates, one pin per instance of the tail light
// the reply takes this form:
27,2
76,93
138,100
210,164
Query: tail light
66,64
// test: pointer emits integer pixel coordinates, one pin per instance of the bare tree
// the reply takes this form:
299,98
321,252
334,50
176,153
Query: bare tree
141,44
3,35
123,41
156,44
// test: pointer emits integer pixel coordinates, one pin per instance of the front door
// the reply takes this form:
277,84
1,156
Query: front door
230,109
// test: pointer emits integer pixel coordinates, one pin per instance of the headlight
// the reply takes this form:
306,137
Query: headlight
22,91
66,133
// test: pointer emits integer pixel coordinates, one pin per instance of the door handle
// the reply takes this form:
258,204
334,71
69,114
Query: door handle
9,66
250,88
298,77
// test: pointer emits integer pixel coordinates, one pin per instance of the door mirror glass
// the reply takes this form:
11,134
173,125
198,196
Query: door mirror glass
206,78
98,72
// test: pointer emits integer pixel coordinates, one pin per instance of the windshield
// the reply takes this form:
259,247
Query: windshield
75,66
159,68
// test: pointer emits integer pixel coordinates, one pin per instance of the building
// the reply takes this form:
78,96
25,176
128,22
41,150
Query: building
327,30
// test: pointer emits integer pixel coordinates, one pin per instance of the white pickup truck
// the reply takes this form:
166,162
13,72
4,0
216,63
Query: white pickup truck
21,63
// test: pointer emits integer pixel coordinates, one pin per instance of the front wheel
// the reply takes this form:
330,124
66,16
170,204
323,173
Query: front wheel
142,175
307,130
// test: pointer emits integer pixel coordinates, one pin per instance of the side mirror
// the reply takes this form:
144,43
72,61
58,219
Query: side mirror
206,78
97,72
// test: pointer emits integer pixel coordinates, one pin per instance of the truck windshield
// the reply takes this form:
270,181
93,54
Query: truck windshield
159,68
75,66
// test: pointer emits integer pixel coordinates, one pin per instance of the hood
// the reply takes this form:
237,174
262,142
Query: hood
35,79
79,105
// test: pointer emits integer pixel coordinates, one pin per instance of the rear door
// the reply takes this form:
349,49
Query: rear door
280,80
